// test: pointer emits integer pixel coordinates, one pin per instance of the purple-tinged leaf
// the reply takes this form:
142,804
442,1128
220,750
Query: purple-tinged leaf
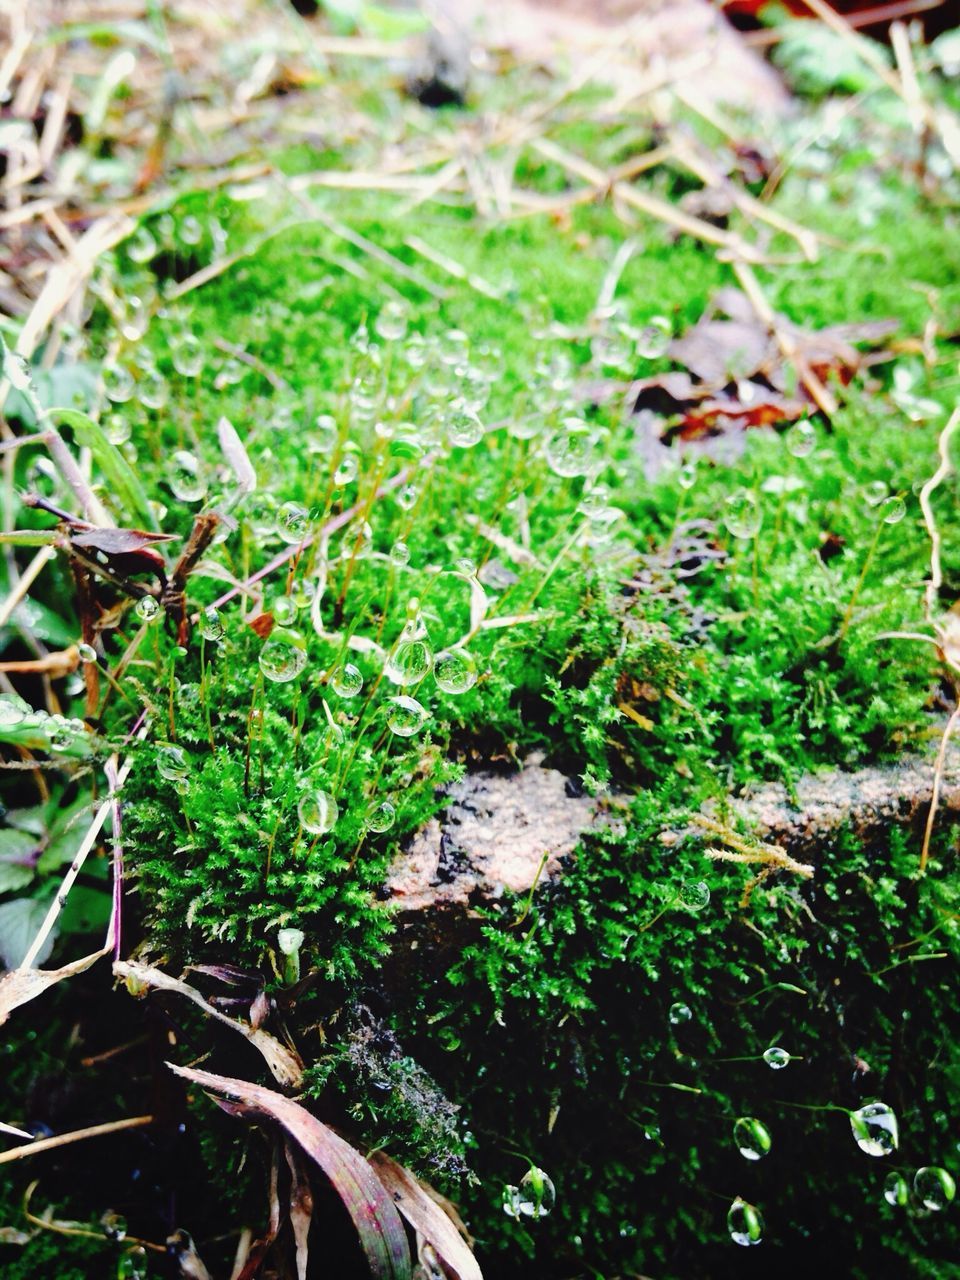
377,1221
427,1217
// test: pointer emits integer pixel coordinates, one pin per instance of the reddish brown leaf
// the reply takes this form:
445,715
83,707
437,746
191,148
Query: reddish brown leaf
262,624
424,1214
378,1224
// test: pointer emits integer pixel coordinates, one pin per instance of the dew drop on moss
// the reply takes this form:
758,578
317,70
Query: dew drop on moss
173,763
406,716
744,1223
874,493
893,510
801,439
381,817
318,812
391,323
185,478
752,1138
146,608
934,1187
895,1189
187,356
776,1058
399,554
293,522
347,682
281,661
87,653
455,671
464,428
284,610
569,450
680,1013
536,1194
694,895
211,625
874,1129
742,515
346,471
409,662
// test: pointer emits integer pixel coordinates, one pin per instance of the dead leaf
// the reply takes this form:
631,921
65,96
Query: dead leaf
285,1066
301,1209
427,1217
377,1221
19,986
262,624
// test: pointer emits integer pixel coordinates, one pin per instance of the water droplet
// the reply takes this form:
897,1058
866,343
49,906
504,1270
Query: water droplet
324,434
934,1187
875,1129
303,591
284,610
744,1223
409,662
874,493
211,625
187,355
694,894
191,230
185,477
687,475
61,732
11,713
318,812
114,1225
400,554
776,1058
381,817
536,1194
391,323
604,525
464,428
146,608
133,1264
653,340
281,660
293,522
406,716
752,1138
142,246
569,451
680,1013
346,471
742,515
893,510
895,1189
455,671
802,439
118,383
173,763
348,681
87,652
407,497
153,390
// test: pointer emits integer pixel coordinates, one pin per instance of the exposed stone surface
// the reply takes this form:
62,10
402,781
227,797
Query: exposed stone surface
492,838
499,826
869,799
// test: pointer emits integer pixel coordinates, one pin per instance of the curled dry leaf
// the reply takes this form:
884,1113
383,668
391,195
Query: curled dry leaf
301,1208
427,1217
377,1221
285,1066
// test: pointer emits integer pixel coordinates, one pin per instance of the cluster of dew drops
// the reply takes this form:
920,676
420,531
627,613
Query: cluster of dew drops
451,381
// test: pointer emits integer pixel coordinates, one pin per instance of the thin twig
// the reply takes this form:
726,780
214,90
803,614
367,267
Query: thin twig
76,1135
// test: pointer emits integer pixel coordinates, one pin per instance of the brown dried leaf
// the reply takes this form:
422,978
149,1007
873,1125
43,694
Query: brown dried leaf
426,1216
285,1066
377,1221
20,986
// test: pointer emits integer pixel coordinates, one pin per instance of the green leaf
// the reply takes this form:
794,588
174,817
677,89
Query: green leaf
390,24
115,469
20,921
